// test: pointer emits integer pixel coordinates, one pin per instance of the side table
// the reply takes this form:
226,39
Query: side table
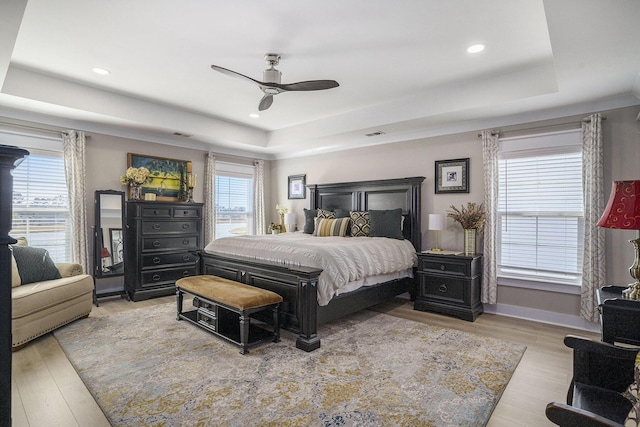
619,318
449,284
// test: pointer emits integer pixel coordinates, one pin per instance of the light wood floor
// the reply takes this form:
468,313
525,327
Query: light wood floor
46,391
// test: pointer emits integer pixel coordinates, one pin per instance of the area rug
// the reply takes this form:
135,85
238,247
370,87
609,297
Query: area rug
145,368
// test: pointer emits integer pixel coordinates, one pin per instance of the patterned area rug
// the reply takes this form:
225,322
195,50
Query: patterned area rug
146,368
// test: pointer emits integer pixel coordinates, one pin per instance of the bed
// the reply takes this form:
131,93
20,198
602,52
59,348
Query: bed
298,284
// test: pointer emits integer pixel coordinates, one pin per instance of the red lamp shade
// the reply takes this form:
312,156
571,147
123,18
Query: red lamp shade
105,253
623,208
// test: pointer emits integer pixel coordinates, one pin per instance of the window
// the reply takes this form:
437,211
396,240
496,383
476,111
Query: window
234,199
540,208
41,204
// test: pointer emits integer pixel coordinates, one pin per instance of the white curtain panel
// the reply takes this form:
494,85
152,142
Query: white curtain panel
258,198
209,198
594,267
490,146
74,166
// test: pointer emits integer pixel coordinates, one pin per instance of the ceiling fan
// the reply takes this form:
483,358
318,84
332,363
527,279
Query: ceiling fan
271,85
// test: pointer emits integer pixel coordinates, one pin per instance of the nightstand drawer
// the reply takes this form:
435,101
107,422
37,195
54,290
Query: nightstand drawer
445,266
445,288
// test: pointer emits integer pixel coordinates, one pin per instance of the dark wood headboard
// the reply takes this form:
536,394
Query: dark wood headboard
379,194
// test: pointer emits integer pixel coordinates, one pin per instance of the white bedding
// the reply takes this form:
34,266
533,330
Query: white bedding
347,262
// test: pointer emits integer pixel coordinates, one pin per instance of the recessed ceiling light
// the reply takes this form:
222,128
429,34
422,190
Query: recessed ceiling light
254,115
101,71
475,48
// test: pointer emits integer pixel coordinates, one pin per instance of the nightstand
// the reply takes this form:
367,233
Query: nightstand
449,284
619,318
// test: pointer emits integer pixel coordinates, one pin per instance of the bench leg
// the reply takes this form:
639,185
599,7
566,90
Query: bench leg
179,298
244,333
276,323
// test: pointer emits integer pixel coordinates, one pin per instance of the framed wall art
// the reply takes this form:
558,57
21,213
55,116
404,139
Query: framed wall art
167,176
452,176
297,189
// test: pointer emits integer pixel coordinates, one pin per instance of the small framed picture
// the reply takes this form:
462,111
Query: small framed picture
452,176
297,189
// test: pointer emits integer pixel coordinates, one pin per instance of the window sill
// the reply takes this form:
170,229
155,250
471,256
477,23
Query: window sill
562,288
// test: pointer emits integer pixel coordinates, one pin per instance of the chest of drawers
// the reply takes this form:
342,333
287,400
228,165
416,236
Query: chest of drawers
161,244
449,284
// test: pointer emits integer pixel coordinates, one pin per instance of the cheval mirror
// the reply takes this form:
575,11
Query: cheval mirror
108,248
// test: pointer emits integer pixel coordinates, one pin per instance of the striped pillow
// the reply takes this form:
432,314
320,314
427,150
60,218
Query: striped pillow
331,227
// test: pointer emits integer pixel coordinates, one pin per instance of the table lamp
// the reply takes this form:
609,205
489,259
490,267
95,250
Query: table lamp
104,254
290,221
623,212
436,223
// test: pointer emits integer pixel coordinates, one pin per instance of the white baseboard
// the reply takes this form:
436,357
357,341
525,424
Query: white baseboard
542,316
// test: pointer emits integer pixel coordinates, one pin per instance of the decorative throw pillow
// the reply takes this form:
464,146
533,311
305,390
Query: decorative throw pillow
359,224
323,213
15,275
309,216
386,223
331,227
633,418
34,264
631,392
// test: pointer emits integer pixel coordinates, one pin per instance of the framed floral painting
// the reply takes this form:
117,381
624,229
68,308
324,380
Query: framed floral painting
167,177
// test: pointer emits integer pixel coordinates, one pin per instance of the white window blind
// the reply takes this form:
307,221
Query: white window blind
41,204
233,199
540,210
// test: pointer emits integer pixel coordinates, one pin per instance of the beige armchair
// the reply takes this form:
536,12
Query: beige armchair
41,307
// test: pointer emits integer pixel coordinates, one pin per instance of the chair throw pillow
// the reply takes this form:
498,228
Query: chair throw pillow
15,274
34,264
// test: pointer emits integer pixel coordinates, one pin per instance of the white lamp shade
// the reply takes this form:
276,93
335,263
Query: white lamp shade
436,222
290,221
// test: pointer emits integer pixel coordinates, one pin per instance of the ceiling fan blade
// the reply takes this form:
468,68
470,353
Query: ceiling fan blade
310,85
234,74
265,102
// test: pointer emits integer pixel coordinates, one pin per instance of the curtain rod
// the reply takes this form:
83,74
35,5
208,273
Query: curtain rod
586,120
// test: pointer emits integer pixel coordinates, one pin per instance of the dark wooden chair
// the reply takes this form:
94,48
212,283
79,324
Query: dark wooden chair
601,372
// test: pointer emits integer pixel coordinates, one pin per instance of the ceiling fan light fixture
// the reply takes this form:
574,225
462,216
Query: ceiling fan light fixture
476,48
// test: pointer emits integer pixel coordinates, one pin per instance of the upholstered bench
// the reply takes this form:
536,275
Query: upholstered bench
223,307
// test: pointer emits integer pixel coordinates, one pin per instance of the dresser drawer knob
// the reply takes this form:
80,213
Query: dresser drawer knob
442,267
156,260
156,243
155,212
185,226
185,242
156,277
185,213
156,226
442,288
185,274
186,258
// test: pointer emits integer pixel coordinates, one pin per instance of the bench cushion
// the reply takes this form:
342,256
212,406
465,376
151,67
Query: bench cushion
228,292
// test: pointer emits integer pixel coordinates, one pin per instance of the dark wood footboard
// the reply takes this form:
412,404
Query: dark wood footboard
296,285
300,312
